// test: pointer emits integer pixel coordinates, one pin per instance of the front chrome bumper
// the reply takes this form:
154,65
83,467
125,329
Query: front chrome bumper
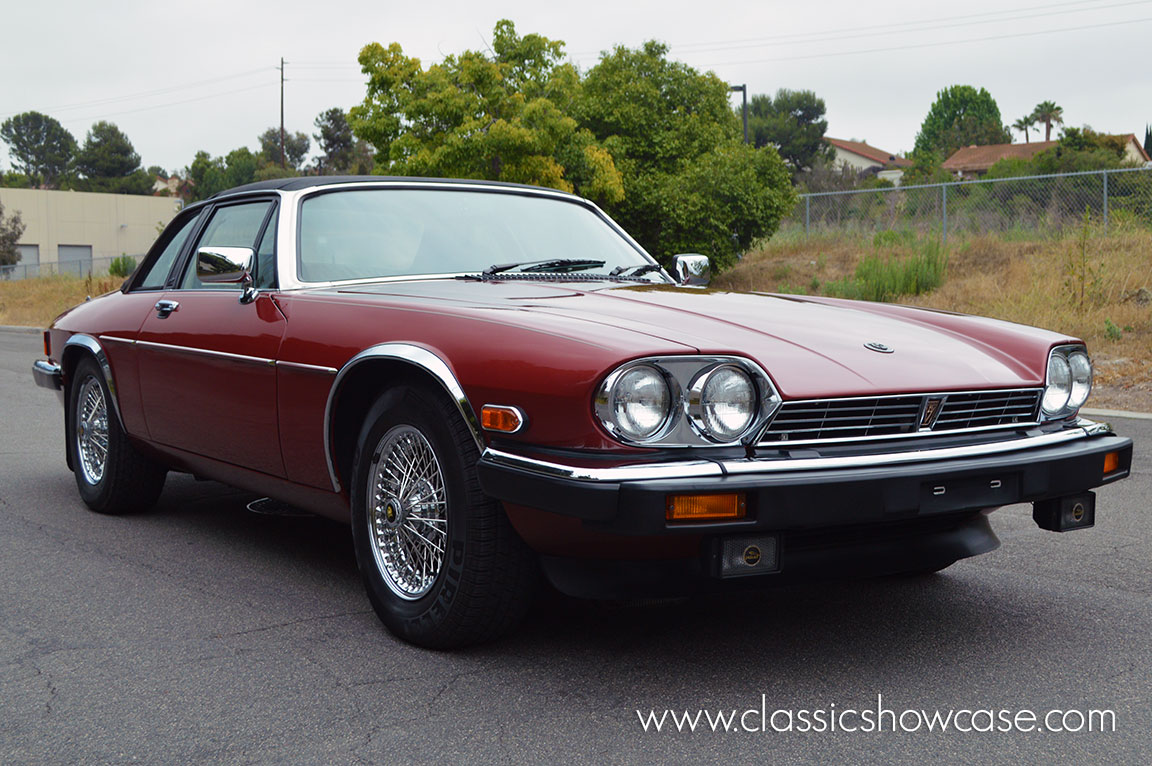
702,469
48,375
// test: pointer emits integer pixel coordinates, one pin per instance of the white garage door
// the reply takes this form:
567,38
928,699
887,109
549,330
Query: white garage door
75,259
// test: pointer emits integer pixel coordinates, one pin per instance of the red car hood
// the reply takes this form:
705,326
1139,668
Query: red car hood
811,347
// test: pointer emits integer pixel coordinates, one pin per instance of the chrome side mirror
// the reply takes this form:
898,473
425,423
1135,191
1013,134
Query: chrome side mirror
227,266
692,269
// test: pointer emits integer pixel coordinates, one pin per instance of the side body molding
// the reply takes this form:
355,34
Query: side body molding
416,356
93,346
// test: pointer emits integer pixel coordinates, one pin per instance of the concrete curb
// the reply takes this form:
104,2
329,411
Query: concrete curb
21,329
1095,413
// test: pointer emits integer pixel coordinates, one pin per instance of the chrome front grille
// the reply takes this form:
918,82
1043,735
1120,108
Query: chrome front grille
844,418
829,420
980,409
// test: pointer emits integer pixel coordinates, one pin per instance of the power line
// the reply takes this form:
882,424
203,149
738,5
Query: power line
898,25
164,106
856,35
934,44
148,93
890,27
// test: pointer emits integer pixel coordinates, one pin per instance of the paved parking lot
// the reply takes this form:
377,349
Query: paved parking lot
206,633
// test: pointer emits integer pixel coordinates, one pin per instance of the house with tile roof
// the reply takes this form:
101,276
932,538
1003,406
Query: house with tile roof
868,159
974,161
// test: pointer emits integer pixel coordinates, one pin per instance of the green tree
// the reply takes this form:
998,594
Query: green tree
11,229
40,147
690,183
961,116
499,117
1148,140
1048,113
794,123
208,175
335,140
1024,124
296,146
205,176
108,163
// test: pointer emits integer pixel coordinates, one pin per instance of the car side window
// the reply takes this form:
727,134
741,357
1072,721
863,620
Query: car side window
231,226
157,272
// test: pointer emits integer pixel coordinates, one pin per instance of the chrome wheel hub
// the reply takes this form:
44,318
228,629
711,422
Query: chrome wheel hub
407,512
92,431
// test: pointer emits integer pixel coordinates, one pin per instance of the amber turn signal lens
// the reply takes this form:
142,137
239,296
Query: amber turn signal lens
705,507
495,417
1111,462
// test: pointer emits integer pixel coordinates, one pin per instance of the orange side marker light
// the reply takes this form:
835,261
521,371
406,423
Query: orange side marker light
502,418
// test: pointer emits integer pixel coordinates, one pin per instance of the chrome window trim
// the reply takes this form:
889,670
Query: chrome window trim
695,469
924,395
417,356
92,345
288,220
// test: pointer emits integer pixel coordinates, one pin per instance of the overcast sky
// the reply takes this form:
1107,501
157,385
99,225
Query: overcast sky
178,77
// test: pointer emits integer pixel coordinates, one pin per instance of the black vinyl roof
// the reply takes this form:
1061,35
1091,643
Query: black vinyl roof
305,182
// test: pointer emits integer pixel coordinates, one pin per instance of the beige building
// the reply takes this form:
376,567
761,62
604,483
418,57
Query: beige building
77,232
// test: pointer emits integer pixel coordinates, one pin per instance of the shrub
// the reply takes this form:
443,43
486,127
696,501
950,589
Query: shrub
886,278
122,266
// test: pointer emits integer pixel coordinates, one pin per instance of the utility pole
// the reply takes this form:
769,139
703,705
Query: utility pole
743,90
283,163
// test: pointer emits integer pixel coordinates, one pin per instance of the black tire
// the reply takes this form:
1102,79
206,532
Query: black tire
484,581
126,482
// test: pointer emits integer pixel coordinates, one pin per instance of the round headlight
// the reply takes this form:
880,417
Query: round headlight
1081,379
641,402
1059,386
723,403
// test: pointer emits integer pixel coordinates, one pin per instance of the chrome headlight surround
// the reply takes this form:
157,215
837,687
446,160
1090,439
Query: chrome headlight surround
688,423
1067,382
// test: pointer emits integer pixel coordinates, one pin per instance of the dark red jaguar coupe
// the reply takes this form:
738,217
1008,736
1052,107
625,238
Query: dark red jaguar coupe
490,381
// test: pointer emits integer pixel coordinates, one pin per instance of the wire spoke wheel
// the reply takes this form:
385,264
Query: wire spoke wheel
408,512
92,431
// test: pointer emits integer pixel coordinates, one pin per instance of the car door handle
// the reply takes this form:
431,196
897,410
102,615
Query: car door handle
164,308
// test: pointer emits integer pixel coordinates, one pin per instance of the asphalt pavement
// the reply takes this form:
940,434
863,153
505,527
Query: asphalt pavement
204,633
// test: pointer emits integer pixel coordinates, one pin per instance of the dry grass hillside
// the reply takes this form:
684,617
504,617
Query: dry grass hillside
1085,283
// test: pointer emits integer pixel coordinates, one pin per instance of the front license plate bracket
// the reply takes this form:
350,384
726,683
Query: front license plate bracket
969,492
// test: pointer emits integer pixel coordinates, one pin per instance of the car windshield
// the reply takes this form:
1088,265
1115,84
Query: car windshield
372,233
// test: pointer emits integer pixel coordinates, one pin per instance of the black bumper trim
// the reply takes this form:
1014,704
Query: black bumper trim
808,499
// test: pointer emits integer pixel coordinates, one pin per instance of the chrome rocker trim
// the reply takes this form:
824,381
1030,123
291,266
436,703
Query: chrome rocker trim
694,469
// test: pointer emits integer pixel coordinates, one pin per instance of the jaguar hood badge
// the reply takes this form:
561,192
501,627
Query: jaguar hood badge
880,347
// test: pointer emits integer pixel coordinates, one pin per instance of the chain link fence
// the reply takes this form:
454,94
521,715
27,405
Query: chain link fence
97,267
1029,205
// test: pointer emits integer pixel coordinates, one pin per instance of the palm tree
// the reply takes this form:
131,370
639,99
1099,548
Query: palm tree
1024,124
1047,112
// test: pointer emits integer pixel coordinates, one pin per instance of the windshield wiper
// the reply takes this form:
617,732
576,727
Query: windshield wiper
557,265
634,271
